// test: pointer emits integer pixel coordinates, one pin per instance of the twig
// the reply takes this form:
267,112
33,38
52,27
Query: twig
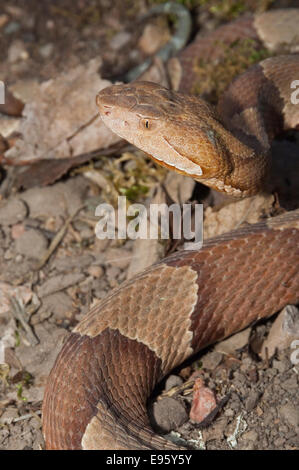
178,389
32,414
19,313
57,239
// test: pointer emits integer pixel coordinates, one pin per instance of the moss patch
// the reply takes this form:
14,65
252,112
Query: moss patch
212,78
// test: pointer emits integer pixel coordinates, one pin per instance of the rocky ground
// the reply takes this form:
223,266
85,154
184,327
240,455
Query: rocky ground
53,267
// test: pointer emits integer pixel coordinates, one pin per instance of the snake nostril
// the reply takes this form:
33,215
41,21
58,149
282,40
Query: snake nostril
107,110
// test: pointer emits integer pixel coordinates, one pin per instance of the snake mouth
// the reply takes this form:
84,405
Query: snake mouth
182,163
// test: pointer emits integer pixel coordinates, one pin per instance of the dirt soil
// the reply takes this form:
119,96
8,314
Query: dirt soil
40,40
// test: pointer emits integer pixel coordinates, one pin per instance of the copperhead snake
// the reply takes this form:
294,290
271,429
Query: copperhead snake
97,391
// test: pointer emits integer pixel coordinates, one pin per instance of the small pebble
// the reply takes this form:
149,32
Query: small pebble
233,343
50,24
169,414
46,51
211,360
119,40
12,27
9,415
96,271
16,52
252,400
290,384
31,244
290,414
279,442
250,435
12,212
112,272
173,381
17,230
8,255
229,413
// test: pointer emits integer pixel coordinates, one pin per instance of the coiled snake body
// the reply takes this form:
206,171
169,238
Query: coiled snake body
98,388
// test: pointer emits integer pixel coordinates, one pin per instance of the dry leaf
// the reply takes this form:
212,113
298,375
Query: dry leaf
62,121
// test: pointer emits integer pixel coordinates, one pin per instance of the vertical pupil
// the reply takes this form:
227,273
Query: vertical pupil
146,124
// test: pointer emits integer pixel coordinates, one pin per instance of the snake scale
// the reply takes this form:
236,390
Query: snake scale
98,389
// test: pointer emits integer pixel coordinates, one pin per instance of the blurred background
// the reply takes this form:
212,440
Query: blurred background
40,39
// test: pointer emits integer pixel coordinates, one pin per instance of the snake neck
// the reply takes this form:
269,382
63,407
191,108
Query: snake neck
245,162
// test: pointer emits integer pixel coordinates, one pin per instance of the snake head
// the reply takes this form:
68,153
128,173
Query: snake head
176,130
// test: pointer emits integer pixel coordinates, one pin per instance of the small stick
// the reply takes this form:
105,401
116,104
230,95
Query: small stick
32,414
19,313
56,240
178,389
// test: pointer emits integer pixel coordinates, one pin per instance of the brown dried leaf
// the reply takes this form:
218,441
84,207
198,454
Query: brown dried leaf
62,121
233,215
12,106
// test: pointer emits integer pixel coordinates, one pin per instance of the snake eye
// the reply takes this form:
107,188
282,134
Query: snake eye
146,124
